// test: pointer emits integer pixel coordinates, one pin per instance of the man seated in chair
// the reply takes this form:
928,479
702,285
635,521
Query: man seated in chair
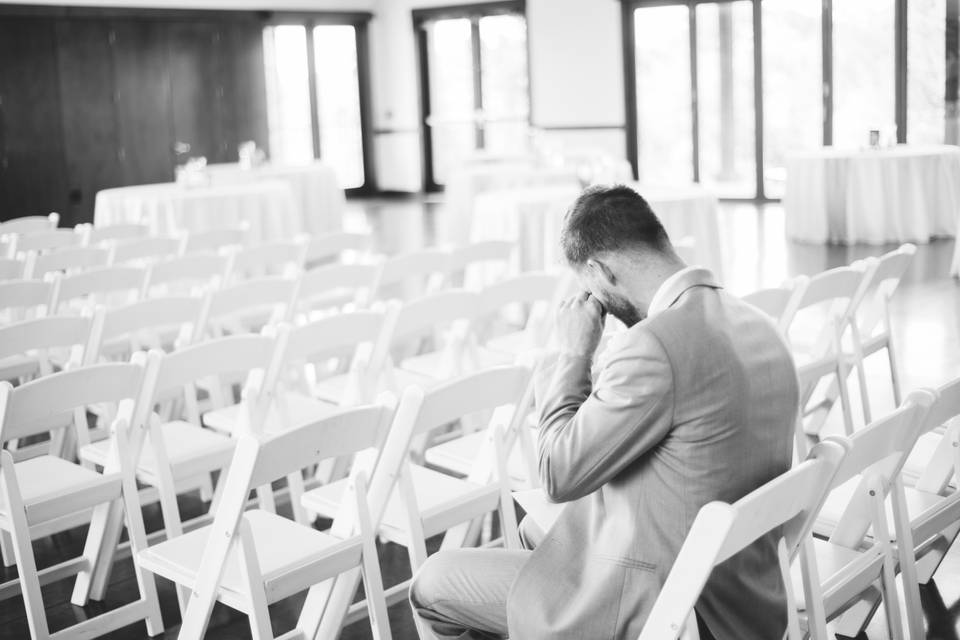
696,401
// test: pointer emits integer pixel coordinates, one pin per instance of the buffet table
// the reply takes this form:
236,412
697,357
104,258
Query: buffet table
904,193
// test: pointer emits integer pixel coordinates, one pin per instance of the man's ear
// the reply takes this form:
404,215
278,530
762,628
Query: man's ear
601,269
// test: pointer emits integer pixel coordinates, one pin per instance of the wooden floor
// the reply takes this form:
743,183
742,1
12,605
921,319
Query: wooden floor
927,327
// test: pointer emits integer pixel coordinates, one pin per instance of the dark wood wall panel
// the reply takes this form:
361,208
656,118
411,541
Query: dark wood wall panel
98,99
32,173
142,80
91,140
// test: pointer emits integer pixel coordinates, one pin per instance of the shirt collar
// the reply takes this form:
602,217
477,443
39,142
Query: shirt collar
674,286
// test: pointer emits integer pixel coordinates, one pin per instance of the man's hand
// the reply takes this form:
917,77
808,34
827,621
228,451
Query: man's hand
580,325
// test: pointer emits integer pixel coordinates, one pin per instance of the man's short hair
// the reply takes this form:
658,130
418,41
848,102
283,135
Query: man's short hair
610,218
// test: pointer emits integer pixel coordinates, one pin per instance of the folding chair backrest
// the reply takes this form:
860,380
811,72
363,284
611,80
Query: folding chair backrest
47,240
93,234
883,281
222,356
417,267
31,408
483,262
436,310
527,288
256,293
877,455
357,280
93,285
943,465
331,246
471,394
273,258
840,283
29,224
722,530
145,249
328,337
20,297
52,332
216,239
11,268
69,260
780,303
184,272
142,320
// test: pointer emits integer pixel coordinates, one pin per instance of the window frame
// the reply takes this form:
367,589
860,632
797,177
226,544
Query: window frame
359,20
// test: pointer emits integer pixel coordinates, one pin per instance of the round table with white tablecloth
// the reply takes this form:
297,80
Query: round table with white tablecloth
906,193
533,216
467,182
316,191
267,206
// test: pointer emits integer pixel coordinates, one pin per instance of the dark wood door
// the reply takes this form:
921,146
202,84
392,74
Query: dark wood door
32,174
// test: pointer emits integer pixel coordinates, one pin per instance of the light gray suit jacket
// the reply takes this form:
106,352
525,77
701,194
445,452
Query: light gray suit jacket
694,404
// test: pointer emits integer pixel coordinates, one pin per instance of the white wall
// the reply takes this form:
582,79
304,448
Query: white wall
576,76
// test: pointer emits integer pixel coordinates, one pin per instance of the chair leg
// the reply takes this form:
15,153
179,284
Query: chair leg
259,614
295,485
894,373
6,549
864,390
842,374
99,548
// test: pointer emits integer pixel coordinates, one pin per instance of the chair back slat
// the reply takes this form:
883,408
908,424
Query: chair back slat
145,249
947,406
31,406
218,357
269,258
216,239
488,389
891,268
193,268
68,260
332,278
150,314
331,245
329,336
49,332
401,271
479,252
343,433
10,268
251,294
47,240
527,288
94,234
21,294
833,284
29,224
101,280
436,310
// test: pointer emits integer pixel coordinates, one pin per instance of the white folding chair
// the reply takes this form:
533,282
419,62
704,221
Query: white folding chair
852,564
216,239
46,240
338,246
93,234
11,268
39,493
784,507
24,299
69,260
250,559
824,314
333,286
780,303
29,224
176,449
410,275
108,286
155,323
516,315
32,348
480,264
247,306
271,258
143,251
428,502
185,274
432,339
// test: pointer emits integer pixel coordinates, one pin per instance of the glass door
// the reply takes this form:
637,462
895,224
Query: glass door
474,93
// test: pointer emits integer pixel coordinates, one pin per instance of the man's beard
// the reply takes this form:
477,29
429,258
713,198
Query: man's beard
621,309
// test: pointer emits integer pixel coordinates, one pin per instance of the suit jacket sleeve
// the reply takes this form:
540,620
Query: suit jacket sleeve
589,433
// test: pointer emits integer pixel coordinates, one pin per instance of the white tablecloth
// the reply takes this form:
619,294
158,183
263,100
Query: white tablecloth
877,196
532,217
467,182
317,194
268,206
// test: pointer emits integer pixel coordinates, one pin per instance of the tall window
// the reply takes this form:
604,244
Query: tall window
926,71
474,75
326,123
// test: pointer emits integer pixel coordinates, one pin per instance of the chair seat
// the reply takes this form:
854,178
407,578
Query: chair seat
51,487
291,557
834,563
299,409
437,495
190,449
458,456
